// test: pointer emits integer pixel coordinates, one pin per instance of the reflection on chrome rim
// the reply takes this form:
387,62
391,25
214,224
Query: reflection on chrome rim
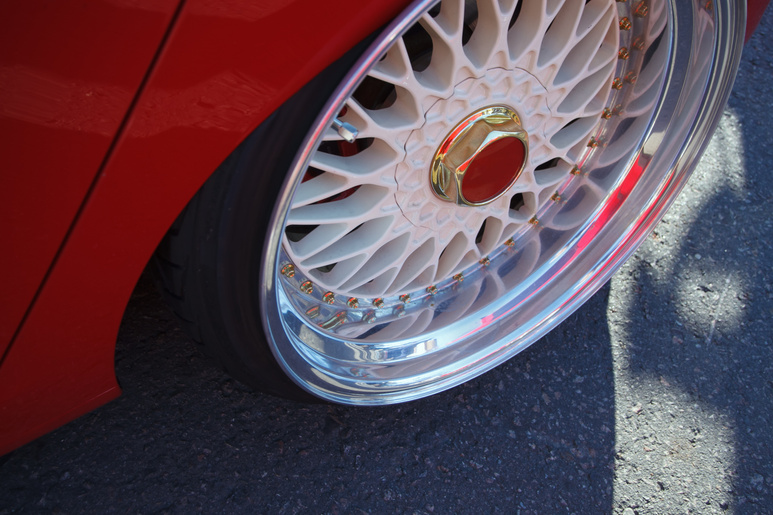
378,291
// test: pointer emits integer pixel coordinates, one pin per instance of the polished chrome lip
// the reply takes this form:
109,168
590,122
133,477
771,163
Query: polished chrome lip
622,234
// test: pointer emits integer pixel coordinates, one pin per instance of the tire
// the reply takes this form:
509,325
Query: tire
368,271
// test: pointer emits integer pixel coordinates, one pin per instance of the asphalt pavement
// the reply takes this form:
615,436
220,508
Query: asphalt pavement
656,397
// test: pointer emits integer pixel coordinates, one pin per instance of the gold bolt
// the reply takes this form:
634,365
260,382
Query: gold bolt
329,297
379,303
485,261
631,77
353,303
638,43
534,221
593,143
555,197
369,317
288,270
623,54
617,83
432,290
509,242
625,24
709,6
459,277
307,287
312,312
606,114
405,298
575,170
641,10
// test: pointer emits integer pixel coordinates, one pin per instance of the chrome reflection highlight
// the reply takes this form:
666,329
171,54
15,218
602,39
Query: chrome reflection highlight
467,141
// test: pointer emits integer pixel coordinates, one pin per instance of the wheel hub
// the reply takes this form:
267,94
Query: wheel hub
481,158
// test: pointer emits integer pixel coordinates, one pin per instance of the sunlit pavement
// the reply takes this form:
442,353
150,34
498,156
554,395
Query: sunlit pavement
654,398
689,321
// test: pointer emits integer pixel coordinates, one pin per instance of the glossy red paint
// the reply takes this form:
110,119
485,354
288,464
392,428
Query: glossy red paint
493,170
754,11
68,74
225,66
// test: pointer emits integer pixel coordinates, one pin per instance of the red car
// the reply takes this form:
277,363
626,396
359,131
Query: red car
367,203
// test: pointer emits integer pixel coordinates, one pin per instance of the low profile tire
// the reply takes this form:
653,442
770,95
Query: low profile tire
461,185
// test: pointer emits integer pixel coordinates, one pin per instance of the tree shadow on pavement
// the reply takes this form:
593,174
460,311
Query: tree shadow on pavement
701,361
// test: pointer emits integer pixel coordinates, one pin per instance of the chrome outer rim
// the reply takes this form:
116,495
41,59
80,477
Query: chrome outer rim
307,330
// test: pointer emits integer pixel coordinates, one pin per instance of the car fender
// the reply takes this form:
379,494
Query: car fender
224,67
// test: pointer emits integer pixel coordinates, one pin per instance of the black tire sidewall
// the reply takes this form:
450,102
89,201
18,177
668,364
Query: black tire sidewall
232,225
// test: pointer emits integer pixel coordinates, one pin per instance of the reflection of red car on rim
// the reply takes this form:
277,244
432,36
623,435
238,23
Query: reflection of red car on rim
417,204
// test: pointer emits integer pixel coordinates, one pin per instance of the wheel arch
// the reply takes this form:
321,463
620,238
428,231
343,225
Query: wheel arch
220,74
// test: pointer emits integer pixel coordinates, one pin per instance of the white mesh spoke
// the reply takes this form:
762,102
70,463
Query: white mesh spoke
364,220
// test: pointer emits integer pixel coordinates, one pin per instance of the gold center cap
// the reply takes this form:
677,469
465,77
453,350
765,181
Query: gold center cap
481,158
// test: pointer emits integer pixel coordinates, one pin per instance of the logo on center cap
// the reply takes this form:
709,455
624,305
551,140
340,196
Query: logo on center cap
481,158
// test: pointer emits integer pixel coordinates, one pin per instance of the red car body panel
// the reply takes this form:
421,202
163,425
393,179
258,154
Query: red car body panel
65,88
225,66
754,11
90,186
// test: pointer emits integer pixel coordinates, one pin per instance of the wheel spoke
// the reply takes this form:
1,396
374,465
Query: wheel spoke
487,47
320,188
449,64
419,262
364,239
395,67
316,240
525,36
363,204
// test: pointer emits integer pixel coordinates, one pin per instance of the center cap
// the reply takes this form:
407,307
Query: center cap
481,158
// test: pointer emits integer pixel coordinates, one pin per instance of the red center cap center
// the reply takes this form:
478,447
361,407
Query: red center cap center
493,170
